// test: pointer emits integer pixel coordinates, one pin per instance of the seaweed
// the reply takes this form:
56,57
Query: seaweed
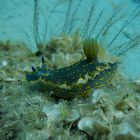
130,19
89,18
123,48
89,24
40,43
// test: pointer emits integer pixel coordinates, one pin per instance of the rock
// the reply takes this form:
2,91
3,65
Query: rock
74,115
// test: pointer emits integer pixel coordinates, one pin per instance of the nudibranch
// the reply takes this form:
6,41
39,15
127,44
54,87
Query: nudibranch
77,80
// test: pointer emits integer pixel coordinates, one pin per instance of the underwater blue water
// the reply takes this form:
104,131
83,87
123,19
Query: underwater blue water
16,24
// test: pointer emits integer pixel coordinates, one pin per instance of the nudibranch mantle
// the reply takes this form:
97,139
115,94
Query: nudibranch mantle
77,80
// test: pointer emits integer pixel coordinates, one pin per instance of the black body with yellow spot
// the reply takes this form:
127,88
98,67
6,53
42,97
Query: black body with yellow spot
76,80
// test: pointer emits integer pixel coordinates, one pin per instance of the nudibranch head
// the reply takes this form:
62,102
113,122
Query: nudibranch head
91,49
37,72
